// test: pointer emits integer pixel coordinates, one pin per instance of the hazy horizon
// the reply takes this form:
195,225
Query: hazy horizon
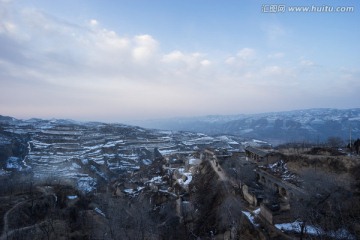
120,61
142,121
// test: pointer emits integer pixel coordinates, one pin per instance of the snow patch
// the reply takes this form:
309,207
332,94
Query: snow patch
133,192
84,161
250,217
99,212
316,231
194,161
296,227
167,152
13,163
3,172
75,166
256,211
72,197
187,181
157,179
146,161
86,184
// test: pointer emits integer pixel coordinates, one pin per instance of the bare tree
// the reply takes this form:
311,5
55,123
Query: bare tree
128,218
356,146
240,170
323,206
230,215
335,142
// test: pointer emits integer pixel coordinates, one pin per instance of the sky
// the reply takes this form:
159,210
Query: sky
118,61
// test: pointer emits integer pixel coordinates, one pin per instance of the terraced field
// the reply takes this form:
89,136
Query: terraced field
87,153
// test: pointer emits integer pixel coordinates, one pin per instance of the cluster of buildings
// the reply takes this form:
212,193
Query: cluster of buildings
275,186
270,192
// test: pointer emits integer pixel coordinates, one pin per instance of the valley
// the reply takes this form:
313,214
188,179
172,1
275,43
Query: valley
62,179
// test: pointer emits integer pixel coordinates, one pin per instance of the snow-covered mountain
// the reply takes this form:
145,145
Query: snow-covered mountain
312,125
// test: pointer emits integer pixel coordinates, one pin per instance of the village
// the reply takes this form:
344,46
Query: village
270,194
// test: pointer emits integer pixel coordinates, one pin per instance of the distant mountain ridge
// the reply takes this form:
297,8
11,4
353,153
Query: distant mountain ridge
311,125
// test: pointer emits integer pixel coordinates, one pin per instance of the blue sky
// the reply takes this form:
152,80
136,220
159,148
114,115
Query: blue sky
122,60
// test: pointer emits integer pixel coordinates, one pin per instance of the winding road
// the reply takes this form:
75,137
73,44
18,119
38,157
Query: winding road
6,233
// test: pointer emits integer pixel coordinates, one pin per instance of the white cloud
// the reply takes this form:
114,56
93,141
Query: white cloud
273,70
205,63
145,47
174,56
109,41
7,27
185,62
279,77
93,22
277,55
246,53
230,60
307,63
242,58
274,31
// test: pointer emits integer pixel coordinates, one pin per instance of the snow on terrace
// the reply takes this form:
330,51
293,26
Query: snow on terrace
62,132
168,151
133,192
156,180
14,163
131,156
58,152
4,140
228,140
146,161
201,140
113,143
53,150
123,165
50,155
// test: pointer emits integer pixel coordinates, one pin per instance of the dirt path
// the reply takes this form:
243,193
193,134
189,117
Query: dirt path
214,162
6,219
5,232
218,169
7,235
